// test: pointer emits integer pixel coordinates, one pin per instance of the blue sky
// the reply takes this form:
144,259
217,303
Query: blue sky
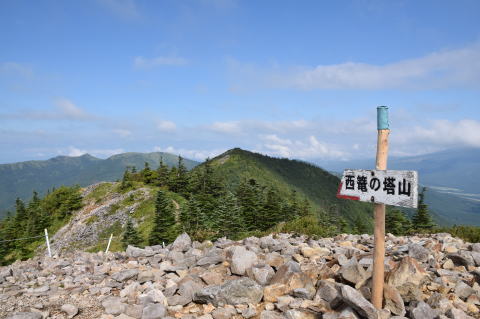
299,79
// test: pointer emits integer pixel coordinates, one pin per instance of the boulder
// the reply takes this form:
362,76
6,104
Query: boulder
242,260
407,277
125,275
232,292
423,311
182,243
136,252
70,310
418,252
361,305
154,311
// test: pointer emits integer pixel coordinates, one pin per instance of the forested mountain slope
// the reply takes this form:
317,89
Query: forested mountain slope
21,179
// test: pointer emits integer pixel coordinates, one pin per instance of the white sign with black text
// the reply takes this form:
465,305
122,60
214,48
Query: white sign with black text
397,188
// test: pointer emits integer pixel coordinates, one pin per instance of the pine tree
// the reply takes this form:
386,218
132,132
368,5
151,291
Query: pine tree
192,217
271,211
396,222
21,218
422,221
130,235
228,221
248,194
126,180
164,222
147,174
360,226
162,173
181,183
305,208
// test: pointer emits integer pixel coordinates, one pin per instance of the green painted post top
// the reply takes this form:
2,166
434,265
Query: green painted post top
382,118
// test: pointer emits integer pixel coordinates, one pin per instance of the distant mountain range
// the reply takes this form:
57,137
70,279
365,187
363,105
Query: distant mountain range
451,178
21,179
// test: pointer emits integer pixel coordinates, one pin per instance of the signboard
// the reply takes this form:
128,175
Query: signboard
397,188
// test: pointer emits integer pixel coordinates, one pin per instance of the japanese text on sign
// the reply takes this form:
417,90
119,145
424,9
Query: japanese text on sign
398,188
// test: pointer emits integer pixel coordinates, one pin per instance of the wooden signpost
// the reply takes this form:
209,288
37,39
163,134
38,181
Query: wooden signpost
379,186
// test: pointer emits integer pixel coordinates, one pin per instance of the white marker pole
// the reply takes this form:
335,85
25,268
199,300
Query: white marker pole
109,241
48,243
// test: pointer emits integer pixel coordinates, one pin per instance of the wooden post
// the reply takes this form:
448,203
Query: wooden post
109,241
48,243
379,210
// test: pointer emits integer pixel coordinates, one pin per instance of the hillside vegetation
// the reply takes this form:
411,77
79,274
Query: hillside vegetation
235,195
21,179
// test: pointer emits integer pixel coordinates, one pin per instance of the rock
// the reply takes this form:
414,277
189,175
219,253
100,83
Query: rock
361,305
249,312
267,314
25,315
423,311
407,277
145,276
309,252
303,293
154,311
462,259
418,252
114,306
272,292
138,252
223,313
125,275
328,291
182,243
297,314
393,301
242,259
455,313
463,290
262,274
70,310
353,272
476,247
233,292
240,291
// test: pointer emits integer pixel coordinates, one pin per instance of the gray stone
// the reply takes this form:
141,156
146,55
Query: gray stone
125,275
70,310
393,300
423,311
114,306
267,314
476,247
154,311
464,258
25,315
455,313
361,305
463,290
262,274
233,292
353,272
328,291
303,293
418,252
138,252
242,260
249,312
182,243
223,313
145,276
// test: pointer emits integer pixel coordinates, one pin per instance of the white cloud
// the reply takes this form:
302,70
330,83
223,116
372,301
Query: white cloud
447,68
199,155
67,109
226,127
16,68
122,132
74,151
145,63
166,126
442,133
126,9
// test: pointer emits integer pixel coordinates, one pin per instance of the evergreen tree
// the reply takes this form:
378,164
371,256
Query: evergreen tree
271,211
396,222
162,173
147,174
360,226
130,235
164,222
21,218
181,183
305,208
126,180
192,217
228,221
422,221
248,194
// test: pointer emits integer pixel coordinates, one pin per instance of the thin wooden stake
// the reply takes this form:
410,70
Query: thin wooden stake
48,243
109,241
379,211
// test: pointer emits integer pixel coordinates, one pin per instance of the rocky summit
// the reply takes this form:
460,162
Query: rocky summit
277,276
